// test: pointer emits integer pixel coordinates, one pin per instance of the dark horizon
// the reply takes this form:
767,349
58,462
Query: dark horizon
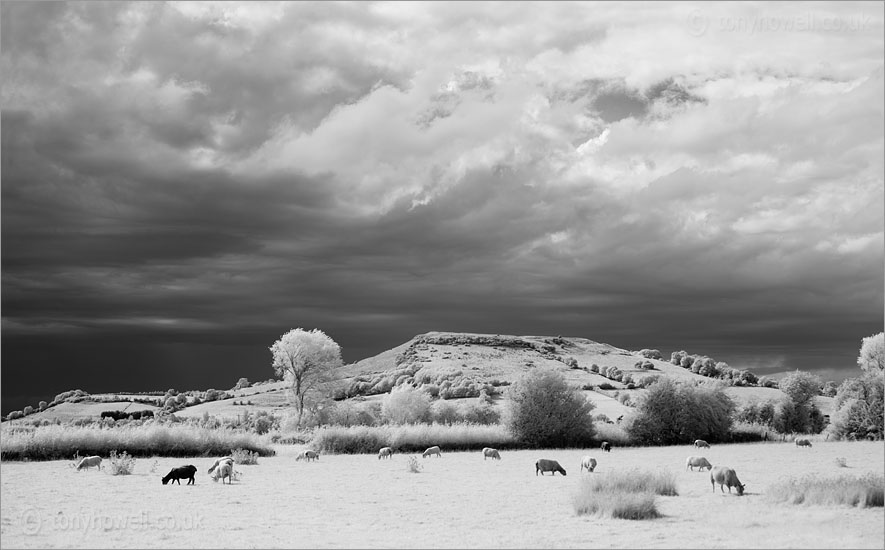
182,183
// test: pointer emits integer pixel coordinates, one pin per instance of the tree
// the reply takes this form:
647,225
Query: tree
241,383
872,354
546,412
405,405
305,359
801,386
860,407
672,412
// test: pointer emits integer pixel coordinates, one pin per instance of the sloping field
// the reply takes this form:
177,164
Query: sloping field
457,501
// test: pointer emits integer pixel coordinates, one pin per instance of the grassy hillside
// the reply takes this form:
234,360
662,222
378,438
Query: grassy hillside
440,358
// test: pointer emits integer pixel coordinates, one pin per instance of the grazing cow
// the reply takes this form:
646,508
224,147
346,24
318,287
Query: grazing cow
588,462
545,465
725,476
803,442
308,455
432,451
385,452
701,443
88,461
182,472
489,452
698,461
606,446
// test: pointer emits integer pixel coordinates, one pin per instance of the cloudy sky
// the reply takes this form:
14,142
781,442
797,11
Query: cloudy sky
182,183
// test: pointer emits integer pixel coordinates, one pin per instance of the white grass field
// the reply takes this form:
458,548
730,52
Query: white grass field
457,501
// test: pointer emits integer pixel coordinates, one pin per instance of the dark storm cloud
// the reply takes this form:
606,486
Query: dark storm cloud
184,182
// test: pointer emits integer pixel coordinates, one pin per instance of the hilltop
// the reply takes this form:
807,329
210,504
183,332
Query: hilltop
457,366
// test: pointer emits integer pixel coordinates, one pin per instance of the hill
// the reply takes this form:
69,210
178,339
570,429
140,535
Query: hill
455,366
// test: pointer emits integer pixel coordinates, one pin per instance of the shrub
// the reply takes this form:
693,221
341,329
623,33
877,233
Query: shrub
243,456
444,412
405,405
121,464
671,412
594,368
865,491
605,386
651,354
28,410
43,404
546,412
480,413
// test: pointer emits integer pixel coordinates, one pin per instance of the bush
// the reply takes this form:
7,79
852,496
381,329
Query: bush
546,412
651,354
121,464
444,412
405,405
480,413
671,412
243,456
605,386
865,491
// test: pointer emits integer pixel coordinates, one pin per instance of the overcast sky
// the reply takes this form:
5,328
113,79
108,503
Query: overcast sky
183,183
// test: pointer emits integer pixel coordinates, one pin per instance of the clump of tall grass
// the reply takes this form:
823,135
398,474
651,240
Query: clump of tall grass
624,495
58,442
410,437
121,464
864,491
413,465
244,456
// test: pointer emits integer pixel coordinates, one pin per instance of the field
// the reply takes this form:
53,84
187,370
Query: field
456,501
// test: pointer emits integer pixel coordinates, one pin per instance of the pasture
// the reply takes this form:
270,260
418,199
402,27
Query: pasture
456,501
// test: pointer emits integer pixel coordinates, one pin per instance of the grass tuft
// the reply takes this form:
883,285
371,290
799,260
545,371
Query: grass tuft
624,495
244,456
864,491
413,465
121,464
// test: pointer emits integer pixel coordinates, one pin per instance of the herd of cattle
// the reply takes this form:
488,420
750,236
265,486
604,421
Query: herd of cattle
224,467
